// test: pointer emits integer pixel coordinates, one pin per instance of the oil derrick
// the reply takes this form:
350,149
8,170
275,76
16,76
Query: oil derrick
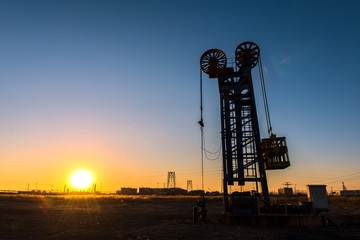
189,185
171,182
245,156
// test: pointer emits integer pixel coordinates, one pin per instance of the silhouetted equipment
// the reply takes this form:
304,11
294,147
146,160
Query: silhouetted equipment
244,203
199,208
247,53
245,158
214,62
171,181
317,194
275,152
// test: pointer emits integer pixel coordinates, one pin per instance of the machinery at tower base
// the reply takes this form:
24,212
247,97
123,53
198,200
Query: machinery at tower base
245,155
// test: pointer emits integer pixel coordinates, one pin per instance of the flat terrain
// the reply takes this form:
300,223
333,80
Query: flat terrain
153,217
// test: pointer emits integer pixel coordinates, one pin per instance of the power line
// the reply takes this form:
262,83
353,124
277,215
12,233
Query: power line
218,152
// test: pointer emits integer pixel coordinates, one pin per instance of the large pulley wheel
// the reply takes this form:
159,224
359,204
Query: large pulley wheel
247,53
212,60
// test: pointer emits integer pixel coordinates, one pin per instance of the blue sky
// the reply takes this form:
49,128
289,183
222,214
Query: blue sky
113,86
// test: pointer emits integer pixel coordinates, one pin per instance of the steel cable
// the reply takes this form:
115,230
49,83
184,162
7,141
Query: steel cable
263,90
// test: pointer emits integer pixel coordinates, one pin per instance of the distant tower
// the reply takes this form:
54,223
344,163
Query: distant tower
343,185
171,180
189,185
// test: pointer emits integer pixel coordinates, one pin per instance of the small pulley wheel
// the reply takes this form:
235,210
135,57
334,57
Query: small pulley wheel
212,60
247,53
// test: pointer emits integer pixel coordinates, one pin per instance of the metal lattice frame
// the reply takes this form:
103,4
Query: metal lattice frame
171,181
189,186
242,155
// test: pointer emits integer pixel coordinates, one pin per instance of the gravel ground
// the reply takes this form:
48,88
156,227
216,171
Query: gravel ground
136,218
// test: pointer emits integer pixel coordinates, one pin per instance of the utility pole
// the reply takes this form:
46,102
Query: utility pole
287,184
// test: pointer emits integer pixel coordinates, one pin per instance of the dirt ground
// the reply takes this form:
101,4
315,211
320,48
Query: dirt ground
136,218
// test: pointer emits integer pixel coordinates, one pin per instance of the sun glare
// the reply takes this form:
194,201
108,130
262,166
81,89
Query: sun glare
81,179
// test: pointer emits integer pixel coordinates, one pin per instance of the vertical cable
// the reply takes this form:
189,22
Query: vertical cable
201,98
263,90
202,132
202,158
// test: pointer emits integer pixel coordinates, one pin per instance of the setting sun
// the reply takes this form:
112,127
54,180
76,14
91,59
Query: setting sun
81,179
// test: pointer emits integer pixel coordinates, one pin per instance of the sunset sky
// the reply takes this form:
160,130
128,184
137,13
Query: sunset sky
112,87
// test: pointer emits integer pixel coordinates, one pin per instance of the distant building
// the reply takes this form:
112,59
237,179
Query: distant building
24,192
127,191
348,193
286,191
177,191
151,191
161,191
146,191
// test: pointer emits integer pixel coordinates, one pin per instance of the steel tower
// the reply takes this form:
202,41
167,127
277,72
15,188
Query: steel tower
171,181
189,186
243,160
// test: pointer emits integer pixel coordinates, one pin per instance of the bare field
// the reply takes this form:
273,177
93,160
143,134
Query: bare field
153,217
